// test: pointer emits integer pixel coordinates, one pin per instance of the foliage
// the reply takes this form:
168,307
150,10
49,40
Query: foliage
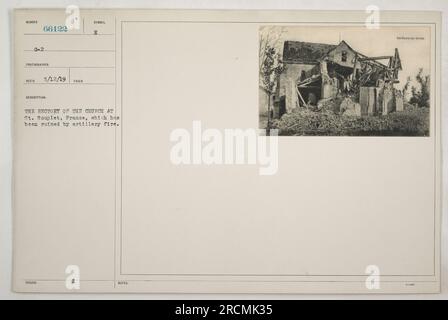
271,68
413,121
420,96
270,36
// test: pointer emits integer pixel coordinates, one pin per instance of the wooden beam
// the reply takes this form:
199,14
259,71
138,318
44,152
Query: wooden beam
308,80
301,98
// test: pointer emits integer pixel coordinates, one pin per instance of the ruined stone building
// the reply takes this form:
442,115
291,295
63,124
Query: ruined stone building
316,72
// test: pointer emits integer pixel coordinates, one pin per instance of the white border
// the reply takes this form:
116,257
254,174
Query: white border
5,127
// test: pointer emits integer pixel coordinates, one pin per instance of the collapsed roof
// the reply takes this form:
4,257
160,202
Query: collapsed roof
305,52
313,53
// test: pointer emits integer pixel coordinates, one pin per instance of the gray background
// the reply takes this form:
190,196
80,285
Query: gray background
6,112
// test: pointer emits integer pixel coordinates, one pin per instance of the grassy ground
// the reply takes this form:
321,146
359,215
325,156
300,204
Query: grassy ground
413,121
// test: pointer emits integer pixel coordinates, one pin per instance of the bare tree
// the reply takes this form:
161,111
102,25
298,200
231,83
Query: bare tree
270,36
270,70
270,62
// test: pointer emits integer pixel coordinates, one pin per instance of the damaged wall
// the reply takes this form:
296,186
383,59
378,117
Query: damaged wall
323,72
288,80
343,55
380,100
368,98
330,85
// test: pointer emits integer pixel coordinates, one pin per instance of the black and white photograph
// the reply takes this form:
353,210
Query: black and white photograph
345,81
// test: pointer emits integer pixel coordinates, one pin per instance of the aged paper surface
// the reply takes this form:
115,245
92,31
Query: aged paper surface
345,200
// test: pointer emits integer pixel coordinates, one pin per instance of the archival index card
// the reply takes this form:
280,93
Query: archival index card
226,151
